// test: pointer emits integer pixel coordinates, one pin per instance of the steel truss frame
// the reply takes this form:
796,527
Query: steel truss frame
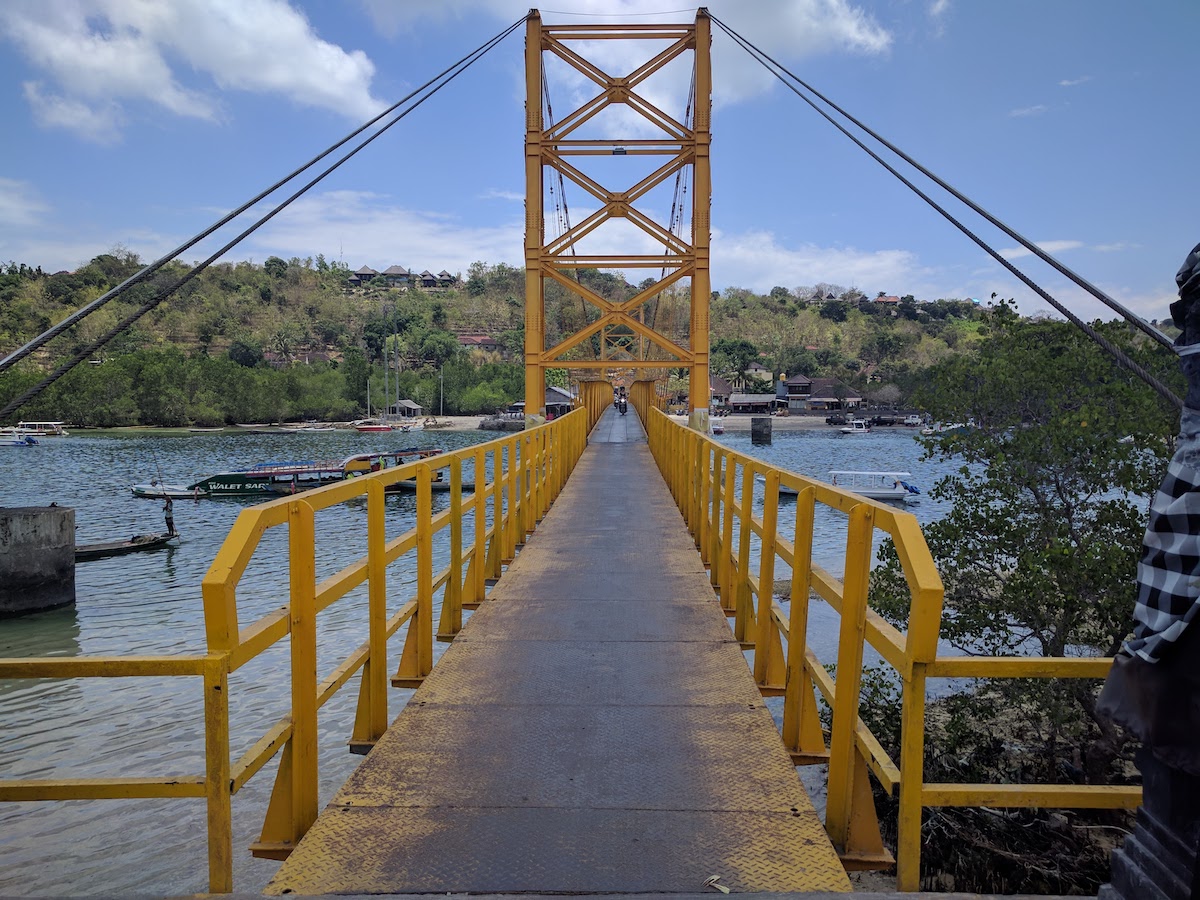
623,336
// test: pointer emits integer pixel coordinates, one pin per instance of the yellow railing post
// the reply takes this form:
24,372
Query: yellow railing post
704,501
768,668
801,723
218,788
743,626
478,582
513,530
912,778
370,721
715,563
416,660
450,623
842,749
303,626
728,562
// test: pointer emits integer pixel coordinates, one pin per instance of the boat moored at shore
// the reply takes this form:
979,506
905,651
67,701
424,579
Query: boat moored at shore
277,478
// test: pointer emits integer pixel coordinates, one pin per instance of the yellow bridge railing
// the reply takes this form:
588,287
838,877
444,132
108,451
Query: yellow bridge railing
527,470
717,489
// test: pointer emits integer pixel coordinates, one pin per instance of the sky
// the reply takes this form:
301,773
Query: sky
135,125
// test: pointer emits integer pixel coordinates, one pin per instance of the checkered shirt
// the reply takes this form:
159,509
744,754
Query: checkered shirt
1168,574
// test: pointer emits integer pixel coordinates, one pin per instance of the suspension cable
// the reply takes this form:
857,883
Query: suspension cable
775,68
144,273
454,71
1033,248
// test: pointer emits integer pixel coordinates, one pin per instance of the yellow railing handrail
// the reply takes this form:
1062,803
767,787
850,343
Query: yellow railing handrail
715,488
529,469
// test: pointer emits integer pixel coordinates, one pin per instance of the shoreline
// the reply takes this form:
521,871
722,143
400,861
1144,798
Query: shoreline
736,423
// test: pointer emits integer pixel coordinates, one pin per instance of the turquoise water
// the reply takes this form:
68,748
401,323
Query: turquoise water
150,603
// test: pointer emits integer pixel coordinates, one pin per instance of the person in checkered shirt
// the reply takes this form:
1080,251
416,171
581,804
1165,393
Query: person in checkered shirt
1153,689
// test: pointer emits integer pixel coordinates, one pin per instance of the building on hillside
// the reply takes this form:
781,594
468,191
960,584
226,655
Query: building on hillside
407,409
752,403
362,276
719,390
400,277
397,276
559,402
886,299
829,393
479,342
755,372
796,391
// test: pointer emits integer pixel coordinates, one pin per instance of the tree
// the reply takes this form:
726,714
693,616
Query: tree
245,354
1039,550
275,267
1037,556
734,356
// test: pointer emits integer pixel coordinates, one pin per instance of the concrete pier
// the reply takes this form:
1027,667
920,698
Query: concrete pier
37,558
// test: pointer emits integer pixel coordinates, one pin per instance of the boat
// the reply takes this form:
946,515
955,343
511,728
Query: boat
264,479
42,429
370,425
874,485
16,437
135,544
276,478
365,463
856,426
717,428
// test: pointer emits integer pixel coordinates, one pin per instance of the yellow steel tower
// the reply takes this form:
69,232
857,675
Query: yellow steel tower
596,332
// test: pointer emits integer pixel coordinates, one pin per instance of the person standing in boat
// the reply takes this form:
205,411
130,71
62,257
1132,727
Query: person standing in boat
168,515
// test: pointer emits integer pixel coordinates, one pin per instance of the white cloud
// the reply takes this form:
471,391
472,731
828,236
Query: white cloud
1072,82
757,261
104,55
100,123
788,30
19,204
1029,111
381,233
1050,247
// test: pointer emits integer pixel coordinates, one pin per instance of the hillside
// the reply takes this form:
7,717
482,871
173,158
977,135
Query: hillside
301,323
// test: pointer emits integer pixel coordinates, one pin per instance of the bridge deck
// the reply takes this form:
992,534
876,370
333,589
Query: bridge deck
594,729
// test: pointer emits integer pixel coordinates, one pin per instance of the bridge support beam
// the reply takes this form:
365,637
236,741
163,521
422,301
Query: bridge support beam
664,325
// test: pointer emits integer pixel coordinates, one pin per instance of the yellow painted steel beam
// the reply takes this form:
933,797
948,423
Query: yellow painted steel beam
100,789
1033,796
1019,667
101,666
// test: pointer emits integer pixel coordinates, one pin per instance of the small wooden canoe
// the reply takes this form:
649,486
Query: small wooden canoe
135,544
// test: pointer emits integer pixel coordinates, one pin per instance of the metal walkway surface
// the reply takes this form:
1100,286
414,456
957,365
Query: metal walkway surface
593,729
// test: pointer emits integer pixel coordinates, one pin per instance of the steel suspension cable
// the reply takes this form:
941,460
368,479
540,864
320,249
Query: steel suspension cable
1033,248
776,69
445,78
144,273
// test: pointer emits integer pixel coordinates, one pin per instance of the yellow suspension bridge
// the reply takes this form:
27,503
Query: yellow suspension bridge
594,726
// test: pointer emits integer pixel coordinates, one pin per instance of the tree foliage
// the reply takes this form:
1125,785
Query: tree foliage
1038,552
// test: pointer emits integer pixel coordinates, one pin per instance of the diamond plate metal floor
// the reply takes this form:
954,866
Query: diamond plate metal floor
594,729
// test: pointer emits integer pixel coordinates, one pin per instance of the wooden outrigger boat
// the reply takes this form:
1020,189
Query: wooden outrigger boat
273,479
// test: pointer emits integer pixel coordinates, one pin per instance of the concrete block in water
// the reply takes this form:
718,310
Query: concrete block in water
37,558
760,430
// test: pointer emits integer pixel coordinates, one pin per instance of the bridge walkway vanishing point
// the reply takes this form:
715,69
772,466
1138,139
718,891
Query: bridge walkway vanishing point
593,729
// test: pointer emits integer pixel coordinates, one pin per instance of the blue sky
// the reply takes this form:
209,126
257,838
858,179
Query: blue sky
138,124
